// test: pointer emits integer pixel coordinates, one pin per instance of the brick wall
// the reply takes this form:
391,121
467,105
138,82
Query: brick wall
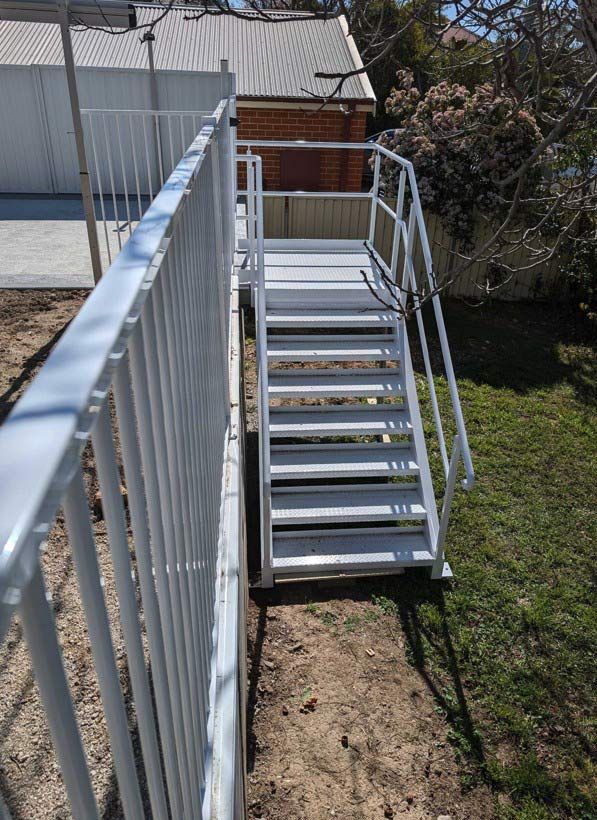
340,170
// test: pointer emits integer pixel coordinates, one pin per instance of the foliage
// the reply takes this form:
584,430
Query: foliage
382,19
580,270
463,145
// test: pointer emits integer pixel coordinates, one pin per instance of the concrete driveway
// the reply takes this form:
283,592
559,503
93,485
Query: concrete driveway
43,241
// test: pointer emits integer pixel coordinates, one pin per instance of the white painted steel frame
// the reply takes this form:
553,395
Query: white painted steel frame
157,331
132,153
255,182
406,234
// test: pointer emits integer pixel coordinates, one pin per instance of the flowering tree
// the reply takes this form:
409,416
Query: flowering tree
480,155
463,145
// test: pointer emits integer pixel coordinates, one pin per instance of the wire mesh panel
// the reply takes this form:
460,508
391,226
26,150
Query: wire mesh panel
130,422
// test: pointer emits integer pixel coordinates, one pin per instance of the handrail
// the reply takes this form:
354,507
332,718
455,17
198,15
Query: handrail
55,408
465,452
255,184
162,112
360,146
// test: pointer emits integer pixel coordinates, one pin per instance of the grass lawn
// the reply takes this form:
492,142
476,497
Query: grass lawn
508,647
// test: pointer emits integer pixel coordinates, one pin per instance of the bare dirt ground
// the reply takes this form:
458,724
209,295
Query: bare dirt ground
341,723
30,781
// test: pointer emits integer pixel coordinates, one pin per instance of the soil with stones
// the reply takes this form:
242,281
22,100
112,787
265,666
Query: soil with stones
31,322
340,724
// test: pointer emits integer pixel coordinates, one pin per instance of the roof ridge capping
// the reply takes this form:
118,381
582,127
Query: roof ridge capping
356,58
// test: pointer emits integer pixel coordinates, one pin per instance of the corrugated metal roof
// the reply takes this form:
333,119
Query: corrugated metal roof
270,59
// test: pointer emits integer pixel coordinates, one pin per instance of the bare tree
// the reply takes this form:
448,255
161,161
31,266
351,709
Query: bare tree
541,56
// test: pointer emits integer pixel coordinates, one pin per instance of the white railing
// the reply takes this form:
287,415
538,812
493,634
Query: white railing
256,256
155,335
132,153
406,234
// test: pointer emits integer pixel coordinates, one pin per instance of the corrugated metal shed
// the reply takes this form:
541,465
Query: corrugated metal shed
270,59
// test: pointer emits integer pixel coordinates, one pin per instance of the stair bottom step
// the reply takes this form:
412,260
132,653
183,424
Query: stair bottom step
345,550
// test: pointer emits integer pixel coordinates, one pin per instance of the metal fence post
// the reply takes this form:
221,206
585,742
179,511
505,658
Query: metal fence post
439,570
88,206
264,450
374,198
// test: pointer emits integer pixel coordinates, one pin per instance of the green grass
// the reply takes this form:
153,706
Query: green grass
508,646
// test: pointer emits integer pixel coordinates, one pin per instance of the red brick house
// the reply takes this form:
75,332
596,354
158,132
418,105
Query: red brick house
275,102
275,66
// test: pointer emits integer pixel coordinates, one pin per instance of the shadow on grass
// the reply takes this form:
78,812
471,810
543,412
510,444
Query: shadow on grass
525,781
513,346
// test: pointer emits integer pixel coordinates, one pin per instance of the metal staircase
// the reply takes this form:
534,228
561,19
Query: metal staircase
346,486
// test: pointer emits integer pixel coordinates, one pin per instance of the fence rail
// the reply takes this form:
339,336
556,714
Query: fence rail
143,372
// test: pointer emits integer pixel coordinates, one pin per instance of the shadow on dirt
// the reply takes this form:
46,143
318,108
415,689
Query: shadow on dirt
408,592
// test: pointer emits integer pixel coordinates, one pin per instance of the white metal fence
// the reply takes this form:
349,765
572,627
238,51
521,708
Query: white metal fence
36,131
131,154
155,335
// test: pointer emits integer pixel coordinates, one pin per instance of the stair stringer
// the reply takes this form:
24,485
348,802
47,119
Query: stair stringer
418,436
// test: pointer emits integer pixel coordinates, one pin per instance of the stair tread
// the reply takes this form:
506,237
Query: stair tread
339,421
357,502
297,317
302,383
334,461
355,286
276,274
349,548
322,349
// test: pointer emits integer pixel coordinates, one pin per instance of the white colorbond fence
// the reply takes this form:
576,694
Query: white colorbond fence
336,217
155,336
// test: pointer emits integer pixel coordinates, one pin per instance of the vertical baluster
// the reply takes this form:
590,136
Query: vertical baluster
100,190
171,143
111,173
113,508
136,169
138,505
155,360
222,282
183,534
159,146
153,456
147,160
40,633
124,180
374,198
76,511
